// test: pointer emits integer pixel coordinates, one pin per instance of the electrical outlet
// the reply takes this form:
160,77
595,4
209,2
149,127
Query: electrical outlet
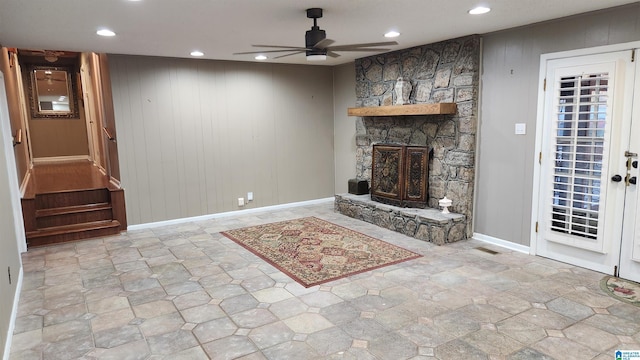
240,201
250,196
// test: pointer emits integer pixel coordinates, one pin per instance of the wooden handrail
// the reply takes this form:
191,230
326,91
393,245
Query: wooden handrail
108,133
17,140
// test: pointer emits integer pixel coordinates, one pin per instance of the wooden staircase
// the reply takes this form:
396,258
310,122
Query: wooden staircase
52,217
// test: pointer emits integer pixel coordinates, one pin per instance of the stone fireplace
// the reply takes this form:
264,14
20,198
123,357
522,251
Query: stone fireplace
445,72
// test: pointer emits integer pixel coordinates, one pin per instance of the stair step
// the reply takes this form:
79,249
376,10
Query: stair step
72,209
68,215
71,198
64,233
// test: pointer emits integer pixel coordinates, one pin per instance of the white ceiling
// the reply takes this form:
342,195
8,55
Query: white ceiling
220,28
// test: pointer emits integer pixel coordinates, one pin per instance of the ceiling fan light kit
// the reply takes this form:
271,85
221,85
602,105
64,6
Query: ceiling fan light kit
318,57
317,46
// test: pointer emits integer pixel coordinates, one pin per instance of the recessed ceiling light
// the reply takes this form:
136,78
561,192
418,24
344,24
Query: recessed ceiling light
197,53
392,34
105,32
479,10
260,57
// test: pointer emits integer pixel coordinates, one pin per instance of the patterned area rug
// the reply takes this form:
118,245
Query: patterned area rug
625,290
313,251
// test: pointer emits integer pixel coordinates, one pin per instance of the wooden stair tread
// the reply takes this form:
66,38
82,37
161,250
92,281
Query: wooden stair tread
74,228
71,198
72,209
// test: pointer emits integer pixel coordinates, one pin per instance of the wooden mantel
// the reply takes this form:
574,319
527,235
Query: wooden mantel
413,109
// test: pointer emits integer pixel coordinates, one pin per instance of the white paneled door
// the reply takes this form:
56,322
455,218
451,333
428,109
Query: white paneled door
587,210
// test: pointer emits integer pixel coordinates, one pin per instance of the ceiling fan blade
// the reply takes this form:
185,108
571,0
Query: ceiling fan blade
270,51
293,53
332,54
353,46
359,49
323,44
278,46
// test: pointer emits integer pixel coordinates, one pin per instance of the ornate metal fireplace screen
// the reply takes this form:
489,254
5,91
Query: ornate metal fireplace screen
399,175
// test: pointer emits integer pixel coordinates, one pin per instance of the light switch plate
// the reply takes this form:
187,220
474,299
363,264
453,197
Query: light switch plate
521,129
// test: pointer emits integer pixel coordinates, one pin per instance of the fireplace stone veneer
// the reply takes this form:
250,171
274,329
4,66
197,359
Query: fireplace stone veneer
444,72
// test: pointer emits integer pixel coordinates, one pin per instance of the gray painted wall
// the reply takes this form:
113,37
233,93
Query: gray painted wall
344,127
509,91
11,230
195,135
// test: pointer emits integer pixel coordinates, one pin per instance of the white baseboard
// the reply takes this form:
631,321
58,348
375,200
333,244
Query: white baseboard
502,243
14,313
54,159
229,213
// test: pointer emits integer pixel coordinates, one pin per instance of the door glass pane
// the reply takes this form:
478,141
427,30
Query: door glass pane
579,143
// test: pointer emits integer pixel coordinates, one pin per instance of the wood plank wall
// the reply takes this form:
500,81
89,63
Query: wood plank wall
511,64
195,135
17,115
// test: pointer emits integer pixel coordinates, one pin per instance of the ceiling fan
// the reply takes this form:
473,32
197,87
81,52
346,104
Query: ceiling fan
49,55
317,46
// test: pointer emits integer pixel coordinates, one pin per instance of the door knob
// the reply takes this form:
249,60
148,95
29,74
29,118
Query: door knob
632,180
616,178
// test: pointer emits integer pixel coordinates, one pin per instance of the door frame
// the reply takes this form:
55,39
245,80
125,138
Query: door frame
629,264
537,167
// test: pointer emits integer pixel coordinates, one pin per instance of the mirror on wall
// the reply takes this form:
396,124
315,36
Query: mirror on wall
52,92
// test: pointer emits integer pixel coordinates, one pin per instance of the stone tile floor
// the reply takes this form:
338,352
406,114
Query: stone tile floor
186,292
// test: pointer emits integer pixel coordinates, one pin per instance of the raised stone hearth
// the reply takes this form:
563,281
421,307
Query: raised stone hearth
423,224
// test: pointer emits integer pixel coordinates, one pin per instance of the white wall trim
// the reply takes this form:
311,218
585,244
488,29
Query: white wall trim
14,314
502,243
229,213
589,51
43,160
